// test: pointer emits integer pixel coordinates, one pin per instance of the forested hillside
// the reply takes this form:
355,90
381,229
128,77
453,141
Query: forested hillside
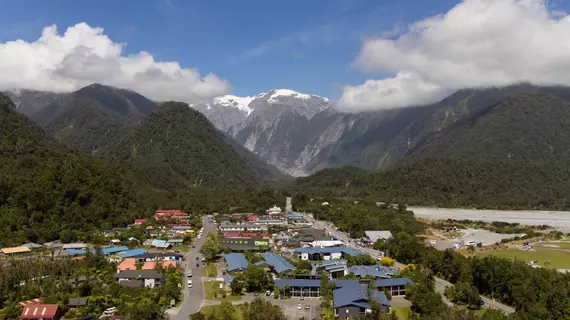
451,183
177,147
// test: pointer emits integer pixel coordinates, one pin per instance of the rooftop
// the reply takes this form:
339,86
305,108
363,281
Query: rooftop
39,311
15,250
277,262
139,274
345,250
374,271
357,295
132,253
235,261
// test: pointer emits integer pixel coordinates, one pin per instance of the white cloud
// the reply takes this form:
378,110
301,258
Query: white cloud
478,43
84,55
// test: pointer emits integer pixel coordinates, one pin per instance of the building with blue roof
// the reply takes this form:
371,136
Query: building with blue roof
311,287
352,301
113,250
75,252
329,253
333,268
132,253
377,272
236,262
160,244
276,262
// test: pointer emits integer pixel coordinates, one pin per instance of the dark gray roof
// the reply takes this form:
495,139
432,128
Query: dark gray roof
132,283
139,274
281,283
357,295
77,302
153,255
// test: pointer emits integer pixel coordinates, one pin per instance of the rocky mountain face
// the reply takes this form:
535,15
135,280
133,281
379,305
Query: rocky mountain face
301,134
29,102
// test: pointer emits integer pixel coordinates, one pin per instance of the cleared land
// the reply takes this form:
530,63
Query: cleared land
557,259
559,220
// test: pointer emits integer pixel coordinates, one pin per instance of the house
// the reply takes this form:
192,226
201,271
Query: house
32,245
159,256
160,244
15,250
236,262
252,218
377,235
127,264
300,287
332,253
77,246
139,278
274,210
151,265
147,242
242,227
376,272
114,241
74,303
277,263
176,242
326,243
244,244
140,221
271,222
166,215
354,300
42,312
132,253
238,234
113,250
294,217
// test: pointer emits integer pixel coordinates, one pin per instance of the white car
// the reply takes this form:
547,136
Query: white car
299,307
189,283
189,274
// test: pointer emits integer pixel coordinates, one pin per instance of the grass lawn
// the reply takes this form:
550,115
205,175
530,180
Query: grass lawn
208,310
558,259
403,313
182,248
561,245
210,270
213,287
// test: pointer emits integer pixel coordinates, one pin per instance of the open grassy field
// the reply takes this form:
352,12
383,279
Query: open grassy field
557,259
214,292
210,270
560,244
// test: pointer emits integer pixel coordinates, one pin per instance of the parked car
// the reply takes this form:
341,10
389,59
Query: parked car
197,258
299,307
268,293
193,246
197,265
256,294
189,283
189,274
307,307
302,298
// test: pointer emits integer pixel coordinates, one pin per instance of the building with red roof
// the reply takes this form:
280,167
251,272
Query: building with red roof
166,215
238,234
252,218
140,221
31,301
42,311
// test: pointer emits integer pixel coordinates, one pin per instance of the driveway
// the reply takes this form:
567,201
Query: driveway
193,297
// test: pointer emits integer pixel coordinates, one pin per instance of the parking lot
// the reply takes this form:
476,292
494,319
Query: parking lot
478,235
289,307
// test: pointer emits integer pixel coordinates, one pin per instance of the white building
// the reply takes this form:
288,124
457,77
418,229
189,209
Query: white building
274,210
326,243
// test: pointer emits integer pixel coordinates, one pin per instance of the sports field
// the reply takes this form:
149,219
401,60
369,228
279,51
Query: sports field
545,257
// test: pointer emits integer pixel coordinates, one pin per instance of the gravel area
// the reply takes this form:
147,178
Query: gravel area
559,220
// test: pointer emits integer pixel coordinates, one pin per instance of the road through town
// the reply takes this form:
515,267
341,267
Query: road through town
440,284
193,297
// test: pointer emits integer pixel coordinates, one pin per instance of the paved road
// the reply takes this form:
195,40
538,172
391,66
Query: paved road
440,284
193,297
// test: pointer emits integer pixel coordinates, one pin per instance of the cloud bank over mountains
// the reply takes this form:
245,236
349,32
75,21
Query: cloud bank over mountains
478,43
85,55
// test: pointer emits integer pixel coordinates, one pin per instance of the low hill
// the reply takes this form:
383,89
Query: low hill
177,146
449,183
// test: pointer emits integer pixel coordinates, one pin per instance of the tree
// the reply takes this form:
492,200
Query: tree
260,309
256,279
211,247
197,316
494,314
465,294
236,286
227,311
387,261
304,265
326,287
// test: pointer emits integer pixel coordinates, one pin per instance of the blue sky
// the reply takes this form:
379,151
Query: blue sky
304,45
